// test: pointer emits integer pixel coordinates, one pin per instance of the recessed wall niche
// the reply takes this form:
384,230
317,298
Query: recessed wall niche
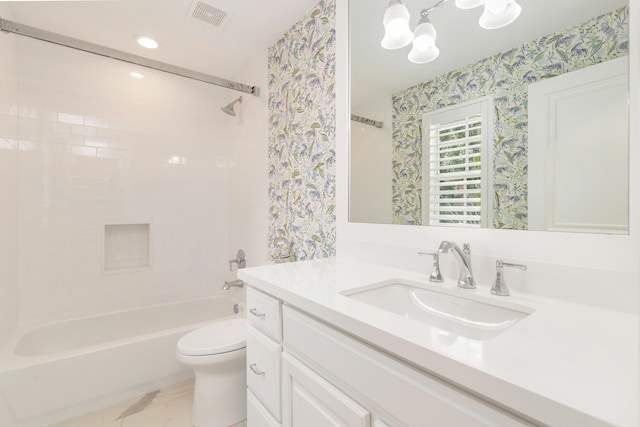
126,246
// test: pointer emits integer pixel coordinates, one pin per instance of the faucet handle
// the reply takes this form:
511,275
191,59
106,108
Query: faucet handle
240,260
499,285
435,276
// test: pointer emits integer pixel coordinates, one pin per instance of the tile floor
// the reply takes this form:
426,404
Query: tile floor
168,407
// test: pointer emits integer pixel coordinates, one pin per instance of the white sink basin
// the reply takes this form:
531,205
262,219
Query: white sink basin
451,310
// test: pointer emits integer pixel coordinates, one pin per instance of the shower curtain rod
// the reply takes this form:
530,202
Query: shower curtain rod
47,36
366,121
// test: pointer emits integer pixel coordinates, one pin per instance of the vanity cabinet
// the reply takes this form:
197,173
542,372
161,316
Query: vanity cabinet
329,378
397,393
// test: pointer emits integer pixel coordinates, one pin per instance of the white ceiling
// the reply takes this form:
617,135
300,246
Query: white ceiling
378,72
254,26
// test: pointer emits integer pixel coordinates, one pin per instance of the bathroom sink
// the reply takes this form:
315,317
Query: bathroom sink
451,310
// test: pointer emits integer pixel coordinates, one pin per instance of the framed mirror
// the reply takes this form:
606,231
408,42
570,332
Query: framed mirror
554,85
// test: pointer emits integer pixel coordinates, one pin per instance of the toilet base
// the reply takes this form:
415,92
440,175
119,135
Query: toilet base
220,393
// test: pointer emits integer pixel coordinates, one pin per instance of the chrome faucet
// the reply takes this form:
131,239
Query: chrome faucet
435,276
463,256
499,285
236,283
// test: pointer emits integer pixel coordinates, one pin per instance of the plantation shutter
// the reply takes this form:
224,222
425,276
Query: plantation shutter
456,176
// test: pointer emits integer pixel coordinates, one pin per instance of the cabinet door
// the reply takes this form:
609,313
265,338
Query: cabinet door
310,401
258,415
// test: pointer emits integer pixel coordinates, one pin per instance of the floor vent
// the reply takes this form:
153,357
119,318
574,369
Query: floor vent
209,14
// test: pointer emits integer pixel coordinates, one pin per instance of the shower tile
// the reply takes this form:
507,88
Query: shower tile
106,153
70,118
96,142
83,151
83,130
96,122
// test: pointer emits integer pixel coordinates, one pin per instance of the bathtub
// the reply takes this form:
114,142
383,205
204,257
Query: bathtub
60,370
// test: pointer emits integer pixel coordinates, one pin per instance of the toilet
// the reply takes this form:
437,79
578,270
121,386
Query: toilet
217,355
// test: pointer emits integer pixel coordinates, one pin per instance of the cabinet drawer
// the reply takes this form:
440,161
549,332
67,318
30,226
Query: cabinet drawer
263,312
414,397
257,415
263,369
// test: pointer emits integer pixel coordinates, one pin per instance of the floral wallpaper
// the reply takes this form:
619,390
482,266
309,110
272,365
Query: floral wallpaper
505,75
301,67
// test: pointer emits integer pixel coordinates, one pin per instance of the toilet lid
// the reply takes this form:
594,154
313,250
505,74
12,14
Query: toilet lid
219,337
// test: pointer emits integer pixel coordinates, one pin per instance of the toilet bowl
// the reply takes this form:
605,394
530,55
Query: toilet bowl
217,355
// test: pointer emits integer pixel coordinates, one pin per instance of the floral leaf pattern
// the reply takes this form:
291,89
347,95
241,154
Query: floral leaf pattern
301,67
505,75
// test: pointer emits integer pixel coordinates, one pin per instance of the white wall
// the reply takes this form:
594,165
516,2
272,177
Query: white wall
248,174
371,165
98,147
8,183
595,269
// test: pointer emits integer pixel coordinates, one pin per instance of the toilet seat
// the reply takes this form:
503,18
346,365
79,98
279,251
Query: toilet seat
220,337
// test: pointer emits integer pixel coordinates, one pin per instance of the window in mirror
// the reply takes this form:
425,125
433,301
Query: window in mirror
456,139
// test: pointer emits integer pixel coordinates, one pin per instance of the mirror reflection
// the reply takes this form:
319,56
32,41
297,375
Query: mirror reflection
520,127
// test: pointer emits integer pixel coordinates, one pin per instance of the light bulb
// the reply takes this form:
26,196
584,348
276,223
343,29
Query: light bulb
397,33
499,13
496,7
469,4
147,42
424,44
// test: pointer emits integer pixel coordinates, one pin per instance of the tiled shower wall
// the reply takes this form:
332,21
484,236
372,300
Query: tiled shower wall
302,135
8,183
98,147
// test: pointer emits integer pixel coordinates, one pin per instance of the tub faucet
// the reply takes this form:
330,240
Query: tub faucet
463,256
240,260
235,283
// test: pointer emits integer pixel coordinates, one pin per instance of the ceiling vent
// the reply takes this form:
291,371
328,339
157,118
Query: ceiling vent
209,14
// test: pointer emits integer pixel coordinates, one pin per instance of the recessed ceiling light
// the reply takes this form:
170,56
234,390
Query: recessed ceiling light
136,75
147,42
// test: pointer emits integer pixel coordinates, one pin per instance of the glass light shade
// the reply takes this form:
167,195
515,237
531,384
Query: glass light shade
424,44
499,13
469,4
397,33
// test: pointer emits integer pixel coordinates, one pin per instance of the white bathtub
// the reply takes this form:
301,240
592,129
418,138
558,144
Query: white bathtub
60,370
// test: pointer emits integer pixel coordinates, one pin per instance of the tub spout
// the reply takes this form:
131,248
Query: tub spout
236,283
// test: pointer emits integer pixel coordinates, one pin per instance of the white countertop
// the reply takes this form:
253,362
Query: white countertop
565,364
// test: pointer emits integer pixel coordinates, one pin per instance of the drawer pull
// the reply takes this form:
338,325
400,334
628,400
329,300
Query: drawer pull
255,369
255,313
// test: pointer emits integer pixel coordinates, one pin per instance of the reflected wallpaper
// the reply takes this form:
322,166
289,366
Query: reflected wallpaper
506,76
